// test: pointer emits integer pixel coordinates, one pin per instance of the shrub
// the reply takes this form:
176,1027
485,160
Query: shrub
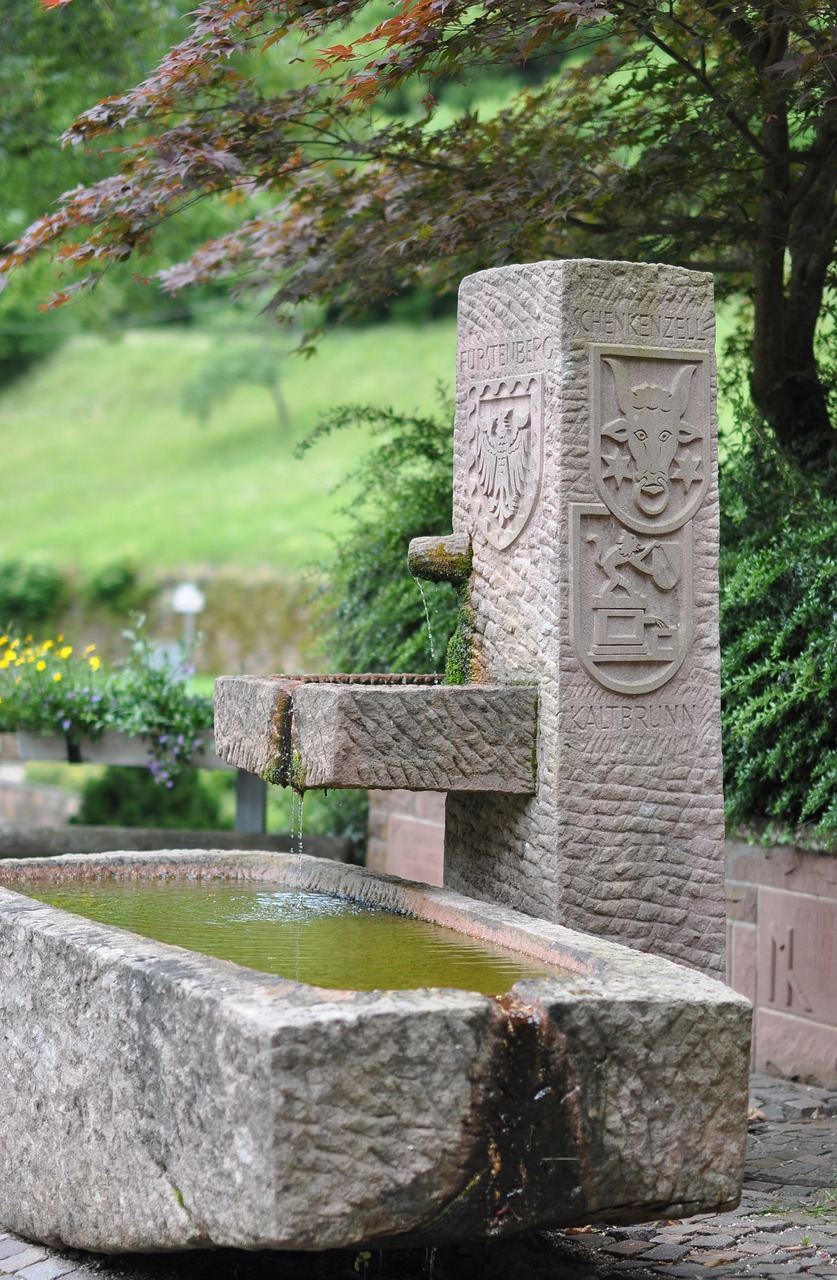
779,641
115,587
125,797
373,612
30,593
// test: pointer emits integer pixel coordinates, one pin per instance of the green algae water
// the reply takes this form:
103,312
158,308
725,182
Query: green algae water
311,937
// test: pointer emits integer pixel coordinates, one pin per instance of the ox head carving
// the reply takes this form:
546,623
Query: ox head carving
653,426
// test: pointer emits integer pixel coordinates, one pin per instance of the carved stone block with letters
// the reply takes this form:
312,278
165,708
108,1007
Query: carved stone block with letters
584,475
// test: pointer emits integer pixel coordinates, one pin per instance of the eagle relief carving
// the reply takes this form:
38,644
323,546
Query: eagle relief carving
504,455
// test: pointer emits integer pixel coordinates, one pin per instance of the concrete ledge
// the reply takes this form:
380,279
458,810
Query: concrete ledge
48,842
358,732
152,1098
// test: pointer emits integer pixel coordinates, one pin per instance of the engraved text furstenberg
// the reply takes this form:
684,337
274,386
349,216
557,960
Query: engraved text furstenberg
487,356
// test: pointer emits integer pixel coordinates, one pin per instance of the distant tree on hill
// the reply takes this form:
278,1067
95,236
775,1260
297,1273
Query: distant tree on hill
698,133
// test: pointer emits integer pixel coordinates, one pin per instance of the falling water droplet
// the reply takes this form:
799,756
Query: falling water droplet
296,847
420,586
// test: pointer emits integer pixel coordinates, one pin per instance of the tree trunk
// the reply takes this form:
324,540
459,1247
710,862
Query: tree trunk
786,385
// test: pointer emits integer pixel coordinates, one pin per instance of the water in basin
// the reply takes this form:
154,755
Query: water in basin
311,937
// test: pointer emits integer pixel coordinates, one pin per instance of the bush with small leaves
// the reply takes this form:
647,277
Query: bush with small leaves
779,641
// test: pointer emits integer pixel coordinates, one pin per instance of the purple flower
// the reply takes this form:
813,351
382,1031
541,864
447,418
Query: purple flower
66,725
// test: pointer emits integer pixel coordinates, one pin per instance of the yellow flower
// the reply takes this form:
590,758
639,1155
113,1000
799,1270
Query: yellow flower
47,645
4,639
57,676
66,651
95,663
58,639
11,655
40,666
90,648
27,639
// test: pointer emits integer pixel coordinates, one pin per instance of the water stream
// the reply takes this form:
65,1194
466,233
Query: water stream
420,586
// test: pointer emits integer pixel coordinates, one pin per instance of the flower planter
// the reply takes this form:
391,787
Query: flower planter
110,748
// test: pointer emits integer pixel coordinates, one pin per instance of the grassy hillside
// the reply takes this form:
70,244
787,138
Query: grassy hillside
101,462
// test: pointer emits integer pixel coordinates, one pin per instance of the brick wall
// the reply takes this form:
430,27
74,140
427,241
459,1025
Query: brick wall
782,955
407,834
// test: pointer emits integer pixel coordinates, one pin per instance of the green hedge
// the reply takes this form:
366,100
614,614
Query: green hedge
779,642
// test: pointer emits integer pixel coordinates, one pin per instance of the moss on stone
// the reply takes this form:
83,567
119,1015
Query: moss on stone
438,564
459,659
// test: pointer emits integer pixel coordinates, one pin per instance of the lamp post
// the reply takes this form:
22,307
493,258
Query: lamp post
188,600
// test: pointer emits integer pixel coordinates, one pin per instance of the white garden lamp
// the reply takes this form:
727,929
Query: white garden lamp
188,600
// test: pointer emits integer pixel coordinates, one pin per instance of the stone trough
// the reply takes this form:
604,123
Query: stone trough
153,1098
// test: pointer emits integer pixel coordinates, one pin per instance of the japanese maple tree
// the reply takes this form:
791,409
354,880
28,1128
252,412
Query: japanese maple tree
698,133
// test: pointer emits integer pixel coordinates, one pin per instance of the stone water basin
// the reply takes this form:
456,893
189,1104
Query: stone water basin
152,1097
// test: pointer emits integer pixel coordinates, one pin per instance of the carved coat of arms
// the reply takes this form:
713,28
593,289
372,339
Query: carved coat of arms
631,600
631,556
504,455
649,435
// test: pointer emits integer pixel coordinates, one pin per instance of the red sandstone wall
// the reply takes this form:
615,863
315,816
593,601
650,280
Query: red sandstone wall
407,834
782,955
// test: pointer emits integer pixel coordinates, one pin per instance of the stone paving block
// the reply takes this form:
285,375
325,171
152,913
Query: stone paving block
10,1246
715,1257
19,1261
626,1248
49,1269
666,1253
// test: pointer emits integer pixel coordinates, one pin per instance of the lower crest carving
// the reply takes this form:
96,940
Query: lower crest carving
632,600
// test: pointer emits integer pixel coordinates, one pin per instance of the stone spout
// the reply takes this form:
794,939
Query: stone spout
445,559
387,732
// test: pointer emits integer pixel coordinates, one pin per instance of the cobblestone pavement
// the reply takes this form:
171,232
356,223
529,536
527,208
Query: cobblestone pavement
786,1225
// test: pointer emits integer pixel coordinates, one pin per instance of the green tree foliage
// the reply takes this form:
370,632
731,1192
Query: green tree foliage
52,63
702,133
373,612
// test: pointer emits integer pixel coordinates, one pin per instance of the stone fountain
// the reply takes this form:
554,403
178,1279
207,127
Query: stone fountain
154,1098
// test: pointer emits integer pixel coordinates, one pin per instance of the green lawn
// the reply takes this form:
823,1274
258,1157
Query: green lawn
100,461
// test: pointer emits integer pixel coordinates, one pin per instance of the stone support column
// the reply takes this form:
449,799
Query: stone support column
585,475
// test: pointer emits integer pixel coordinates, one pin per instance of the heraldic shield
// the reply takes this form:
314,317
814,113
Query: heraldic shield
631,600
504,455
649,434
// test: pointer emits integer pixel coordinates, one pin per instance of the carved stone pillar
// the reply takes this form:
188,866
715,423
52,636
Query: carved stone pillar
584,473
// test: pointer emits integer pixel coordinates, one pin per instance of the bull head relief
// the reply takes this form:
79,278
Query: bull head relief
650,437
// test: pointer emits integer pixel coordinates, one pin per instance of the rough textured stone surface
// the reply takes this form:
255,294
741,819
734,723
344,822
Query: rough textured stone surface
624,837
151,1098
423,737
